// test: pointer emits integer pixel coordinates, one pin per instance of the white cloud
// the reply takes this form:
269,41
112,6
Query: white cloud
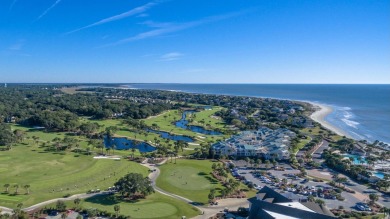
134,11
171,56
171,28
48,9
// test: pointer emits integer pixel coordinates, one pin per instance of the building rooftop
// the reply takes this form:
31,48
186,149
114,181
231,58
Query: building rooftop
269,204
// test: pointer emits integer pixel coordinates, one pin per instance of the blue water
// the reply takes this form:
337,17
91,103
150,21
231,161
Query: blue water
126,144
356,159
169,136
380,175
183,123
362,111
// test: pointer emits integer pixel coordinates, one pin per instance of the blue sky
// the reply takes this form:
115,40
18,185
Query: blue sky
195,41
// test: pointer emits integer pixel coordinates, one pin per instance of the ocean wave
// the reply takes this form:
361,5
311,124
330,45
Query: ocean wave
346,108
348,115
350,123
357,136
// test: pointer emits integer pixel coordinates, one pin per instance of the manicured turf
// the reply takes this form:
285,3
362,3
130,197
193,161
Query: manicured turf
52,175
155,206
188,178
301,144
318,131
166,123
208,117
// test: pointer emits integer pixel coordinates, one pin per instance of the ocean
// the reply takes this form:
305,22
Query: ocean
361,111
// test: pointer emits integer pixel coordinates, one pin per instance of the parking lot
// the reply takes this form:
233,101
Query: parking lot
301,188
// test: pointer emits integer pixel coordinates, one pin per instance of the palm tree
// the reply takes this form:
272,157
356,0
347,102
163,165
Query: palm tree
77,202
320,202
373,197
27,187
117,209
16,188
6,186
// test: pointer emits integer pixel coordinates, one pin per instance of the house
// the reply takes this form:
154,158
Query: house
269,204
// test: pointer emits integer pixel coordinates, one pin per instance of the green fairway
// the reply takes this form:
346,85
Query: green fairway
188,178
155,206
52,175
206,119
166,122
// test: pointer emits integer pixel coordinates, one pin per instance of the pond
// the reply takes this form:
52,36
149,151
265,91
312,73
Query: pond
169,136
126,144
183,123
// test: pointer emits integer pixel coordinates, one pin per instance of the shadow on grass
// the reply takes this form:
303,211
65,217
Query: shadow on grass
197,203
108,200
211,180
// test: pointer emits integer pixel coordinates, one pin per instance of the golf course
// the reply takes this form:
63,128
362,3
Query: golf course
33,172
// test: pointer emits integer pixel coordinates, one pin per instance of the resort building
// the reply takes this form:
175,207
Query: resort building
264,142
269,204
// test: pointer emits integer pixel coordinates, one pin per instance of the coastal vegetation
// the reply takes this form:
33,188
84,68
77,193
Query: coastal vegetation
61,133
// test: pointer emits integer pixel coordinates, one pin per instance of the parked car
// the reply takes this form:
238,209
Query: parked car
362,206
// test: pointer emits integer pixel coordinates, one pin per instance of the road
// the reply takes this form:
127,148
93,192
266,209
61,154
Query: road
207,211
42,204
362,191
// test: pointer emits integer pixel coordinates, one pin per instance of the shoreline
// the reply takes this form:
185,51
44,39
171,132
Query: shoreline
319,115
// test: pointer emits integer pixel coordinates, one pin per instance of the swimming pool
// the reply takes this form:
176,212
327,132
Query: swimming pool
356,159
380,175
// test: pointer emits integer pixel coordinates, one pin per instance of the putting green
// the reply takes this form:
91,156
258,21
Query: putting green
141,209
155,206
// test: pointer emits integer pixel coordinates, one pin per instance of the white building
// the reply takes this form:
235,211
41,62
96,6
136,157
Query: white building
264,142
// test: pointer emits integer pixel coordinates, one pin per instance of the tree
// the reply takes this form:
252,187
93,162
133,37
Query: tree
267,162
211,195
16,188
340,180
27,188
320,202
77,202
373,197
117,209
60,205
6,186
133,185
383,184
19,205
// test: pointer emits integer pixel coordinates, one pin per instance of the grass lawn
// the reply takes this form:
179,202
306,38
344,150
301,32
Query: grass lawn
188,178
51,174
318,131
166,123
206,116
154,206
301,144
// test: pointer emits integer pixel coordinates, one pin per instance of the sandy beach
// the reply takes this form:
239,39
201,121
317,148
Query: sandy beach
319,116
